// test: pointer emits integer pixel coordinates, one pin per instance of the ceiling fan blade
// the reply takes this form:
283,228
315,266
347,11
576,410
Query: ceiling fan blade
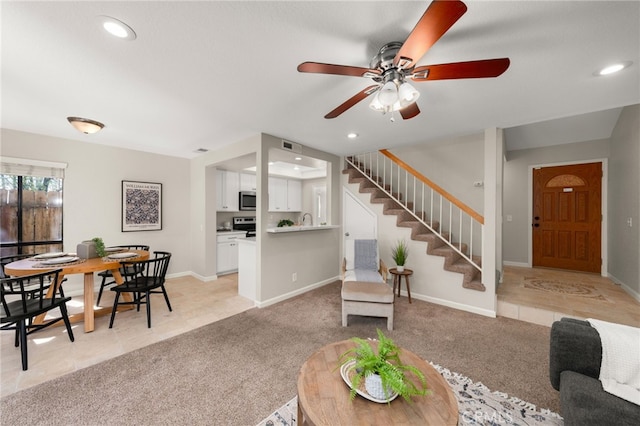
410,111
352,101
320,68
436,20
470,69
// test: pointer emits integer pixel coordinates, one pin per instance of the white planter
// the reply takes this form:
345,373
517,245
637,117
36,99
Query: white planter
400,268
373,385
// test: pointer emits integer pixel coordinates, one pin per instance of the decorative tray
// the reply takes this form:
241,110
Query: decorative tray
125,255
48,255
347,371
60,260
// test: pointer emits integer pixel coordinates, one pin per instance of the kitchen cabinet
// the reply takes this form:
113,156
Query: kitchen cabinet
247,182
285,195
227,190
294,195
227,252
277,194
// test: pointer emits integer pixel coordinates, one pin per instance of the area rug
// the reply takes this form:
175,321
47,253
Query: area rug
564,287
477,405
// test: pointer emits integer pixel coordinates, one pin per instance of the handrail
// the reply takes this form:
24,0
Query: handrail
462,206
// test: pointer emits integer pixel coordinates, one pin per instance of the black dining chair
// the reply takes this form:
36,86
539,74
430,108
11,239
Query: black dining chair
5,260
106,275
149,279
20,305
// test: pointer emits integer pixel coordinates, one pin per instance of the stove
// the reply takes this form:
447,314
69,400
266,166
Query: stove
245,223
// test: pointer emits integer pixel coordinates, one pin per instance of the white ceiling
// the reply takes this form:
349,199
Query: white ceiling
210,73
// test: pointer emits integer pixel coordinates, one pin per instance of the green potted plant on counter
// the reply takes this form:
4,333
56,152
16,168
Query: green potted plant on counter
400,253
383,372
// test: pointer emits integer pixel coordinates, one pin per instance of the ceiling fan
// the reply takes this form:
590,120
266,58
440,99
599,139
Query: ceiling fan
395,63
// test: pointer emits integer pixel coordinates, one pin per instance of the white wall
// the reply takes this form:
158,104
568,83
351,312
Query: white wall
624,201
92,191
453,164
313,256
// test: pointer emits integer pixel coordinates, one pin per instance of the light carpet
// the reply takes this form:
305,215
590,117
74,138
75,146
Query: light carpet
477,405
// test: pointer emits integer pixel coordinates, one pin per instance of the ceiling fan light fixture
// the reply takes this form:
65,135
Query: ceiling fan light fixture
375,104
388,95
85,125
407,94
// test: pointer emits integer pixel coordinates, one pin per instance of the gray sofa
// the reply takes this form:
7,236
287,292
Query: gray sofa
574,367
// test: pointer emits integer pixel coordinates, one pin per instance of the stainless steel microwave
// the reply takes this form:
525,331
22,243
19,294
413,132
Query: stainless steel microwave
247,200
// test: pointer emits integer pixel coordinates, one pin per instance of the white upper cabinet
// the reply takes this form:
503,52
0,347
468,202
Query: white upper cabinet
247,182
294,195
227,189
277,194
285,195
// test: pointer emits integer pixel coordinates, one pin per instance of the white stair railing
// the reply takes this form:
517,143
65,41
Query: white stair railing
455,223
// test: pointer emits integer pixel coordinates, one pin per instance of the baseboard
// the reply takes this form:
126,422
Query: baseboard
454,305
297,292
625,287
519,264
193,274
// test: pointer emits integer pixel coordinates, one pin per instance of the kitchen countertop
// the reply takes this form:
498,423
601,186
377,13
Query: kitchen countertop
284,229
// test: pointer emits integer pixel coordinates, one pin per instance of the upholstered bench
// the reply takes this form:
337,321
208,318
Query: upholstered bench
368,299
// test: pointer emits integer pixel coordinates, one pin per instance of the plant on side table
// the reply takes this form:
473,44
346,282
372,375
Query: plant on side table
400,253
383,371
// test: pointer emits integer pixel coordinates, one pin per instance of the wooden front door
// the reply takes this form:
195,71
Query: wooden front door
567,217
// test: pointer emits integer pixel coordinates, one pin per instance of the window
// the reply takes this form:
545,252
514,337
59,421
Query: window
30,206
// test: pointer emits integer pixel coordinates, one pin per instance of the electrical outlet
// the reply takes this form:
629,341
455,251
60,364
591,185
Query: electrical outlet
294,277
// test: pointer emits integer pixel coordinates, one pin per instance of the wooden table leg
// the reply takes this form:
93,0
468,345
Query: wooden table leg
406,278
88,303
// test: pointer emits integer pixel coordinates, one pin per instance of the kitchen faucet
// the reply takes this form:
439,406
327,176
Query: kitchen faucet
310,218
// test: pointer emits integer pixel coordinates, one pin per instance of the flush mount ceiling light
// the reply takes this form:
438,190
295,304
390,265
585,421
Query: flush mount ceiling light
612,69
117,28
352,135
85,125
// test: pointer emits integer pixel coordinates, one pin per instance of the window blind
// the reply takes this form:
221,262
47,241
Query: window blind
28,167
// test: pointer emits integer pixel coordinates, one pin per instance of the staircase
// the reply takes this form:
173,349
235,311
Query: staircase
433,215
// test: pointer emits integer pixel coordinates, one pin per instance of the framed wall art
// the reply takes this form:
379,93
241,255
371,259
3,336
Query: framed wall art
141,206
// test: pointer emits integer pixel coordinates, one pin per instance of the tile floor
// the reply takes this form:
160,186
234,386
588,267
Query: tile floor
541,296
531,295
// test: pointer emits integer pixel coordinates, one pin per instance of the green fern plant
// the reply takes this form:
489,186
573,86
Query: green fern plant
387,364
99,246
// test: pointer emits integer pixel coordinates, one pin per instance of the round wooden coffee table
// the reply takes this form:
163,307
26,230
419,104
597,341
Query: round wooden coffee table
323,397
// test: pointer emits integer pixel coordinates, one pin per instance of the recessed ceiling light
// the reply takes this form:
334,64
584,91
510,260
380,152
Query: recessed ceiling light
117,28
352,135
298,158
613,68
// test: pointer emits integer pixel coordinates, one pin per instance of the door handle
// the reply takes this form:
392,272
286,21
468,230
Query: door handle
537,218
346,234
536,225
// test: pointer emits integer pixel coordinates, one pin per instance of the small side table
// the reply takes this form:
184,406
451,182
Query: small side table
397,280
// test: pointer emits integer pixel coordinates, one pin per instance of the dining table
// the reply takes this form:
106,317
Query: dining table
87,267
